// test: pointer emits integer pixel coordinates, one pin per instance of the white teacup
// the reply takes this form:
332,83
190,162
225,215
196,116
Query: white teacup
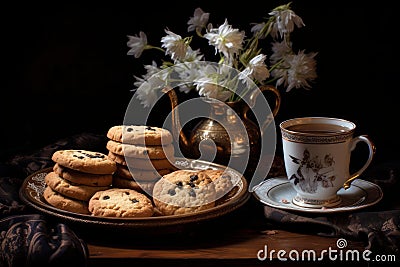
317,154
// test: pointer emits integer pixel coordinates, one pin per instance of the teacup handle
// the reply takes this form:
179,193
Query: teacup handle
277,104
371,148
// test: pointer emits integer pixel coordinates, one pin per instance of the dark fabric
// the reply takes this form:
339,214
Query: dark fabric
377,226
27,164
379,230
30,239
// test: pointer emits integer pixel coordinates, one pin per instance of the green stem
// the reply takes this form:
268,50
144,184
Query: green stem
154,47
276,65
198,32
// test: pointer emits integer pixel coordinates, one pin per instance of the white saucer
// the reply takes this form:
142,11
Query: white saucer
278,193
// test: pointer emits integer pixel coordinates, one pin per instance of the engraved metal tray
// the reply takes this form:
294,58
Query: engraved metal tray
31,192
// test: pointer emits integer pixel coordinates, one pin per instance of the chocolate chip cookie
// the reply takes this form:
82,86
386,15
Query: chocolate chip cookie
117,202
71,190
139,151
65,203
85,161
82,177
184,191
140,135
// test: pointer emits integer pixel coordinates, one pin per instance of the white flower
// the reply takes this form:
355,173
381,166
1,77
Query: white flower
137,44
257,27
226,40
256,69
192,55
150,71
214,82
187,73
147,94
280,50
198,21
300,69
174,45
206,87
285,19
149,84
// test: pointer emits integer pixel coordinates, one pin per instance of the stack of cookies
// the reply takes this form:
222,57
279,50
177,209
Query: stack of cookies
77,175
142,153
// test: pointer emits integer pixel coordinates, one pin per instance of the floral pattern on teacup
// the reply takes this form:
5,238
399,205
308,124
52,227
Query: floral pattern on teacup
313,171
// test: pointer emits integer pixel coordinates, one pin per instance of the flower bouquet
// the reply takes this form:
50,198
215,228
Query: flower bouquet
240,63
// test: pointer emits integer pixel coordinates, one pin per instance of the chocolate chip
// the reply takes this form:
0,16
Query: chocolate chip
191,184
106,197
192,193
150,129
179,184
225,176
94,156
134,200
129,129
194,177
171,192
145,152
126,193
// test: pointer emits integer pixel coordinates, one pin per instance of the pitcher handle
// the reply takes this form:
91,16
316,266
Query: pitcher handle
277,104
371,148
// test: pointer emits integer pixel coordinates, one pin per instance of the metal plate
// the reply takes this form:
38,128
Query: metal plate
31,193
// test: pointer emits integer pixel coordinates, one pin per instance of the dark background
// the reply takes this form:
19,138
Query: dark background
65,68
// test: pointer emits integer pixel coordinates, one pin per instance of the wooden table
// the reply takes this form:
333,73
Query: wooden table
231,240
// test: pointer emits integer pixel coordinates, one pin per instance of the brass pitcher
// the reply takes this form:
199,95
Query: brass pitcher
210,134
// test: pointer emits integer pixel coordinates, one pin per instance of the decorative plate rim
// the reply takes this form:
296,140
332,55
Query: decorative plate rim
239,198
280,181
